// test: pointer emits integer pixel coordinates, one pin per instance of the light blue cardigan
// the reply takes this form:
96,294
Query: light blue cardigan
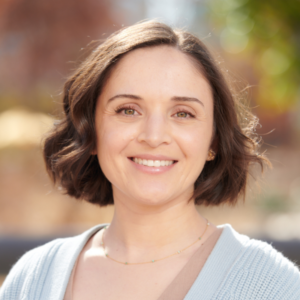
238,268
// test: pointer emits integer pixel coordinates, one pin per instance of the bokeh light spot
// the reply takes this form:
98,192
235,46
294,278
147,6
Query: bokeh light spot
239,23
274,62
225,6
232,42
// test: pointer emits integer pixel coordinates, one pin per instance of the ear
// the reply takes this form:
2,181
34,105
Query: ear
211,155
213,150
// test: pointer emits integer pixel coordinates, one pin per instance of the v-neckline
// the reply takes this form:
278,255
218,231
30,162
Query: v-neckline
220,254
186,277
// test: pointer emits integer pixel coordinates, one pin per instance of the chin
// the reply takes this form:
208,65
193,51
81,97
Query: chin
152,198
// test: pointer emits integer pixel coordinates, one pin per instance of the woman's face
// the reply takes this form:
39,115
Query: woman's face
155,109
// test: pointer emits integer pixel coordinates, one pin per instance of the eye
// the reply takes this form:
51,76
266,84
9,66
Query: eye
126,110
183,114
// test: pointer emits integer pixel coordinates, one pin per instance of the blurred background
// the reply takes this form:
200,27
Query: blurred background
256,42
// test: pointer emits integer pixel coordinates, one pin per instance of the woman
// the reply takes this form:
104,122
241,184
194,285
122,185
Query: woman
152,127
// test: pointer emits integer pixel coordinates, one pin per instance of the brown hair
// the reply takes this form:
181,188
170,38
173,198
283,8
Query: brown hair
67,149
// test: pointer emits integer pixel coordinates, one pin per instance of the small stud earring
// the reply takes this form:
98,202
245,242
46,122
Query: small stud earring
211,155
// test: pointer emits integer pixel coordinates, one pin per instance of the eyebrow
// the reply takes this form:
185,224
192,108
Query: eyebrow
190,99
175,98
125,96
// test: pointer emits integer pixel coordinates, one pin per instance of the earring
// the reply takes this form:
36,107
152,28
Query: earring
211,155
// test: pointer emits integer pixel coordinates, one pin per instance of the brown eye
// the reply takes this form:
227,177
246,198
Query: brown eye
182,114
126,111
129,111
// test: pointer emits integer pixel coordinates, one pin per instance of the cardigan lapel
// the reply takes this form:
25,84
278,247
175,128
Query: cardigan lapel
61,267
224,255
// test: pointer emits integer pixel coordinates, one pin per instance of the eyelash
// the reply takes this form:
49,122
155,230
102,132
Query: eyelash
185,111
118,110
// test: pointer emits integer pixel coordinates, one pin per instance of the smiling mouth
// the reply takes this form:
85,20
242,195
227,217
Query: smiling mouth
153,163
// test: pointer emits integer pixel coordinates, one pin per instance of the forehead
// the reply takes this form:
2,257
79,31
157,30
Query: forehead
163,57
157,71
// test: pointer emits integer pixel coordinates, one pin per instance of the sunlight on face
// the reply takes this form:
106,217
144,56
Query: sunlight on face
156,105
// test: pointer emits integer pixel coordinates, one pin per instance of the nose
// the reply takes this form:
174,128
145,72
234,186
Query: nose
155,131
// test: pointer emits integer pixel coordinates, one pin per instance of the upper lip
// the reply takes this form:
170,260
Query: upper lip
152,157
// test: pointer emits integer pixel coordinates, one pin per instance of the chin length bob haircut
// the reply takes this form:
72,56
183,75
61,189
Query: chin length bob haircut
68,147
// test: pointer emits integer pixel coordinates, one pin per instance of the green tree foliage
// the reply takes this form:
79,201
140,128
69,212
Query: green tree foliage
268,32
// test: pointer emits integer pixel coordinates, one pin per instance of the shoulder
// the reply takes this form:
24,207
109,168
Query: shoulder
262,271
31,265
45,269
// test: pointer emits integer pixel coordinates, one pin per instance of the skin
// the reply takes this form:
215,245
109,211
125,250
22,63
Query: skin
153,217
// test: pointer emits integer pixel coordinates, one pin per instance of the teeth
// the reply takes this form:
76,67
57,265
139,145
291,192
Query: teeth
153,163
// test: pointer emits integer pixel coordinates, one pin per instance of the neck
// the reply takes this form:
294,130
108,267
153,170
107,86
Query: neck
140,233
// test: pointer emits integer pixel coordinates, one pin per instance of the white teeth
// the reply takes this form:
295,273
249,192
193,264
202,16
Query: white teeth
151,163
157,163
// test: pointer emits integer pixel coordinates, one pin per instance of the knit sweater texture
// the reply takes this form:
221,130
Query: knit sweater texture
238,268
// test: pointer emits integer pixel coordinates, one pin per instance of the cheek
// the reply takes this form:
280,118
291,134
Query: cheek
113,137
195,142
